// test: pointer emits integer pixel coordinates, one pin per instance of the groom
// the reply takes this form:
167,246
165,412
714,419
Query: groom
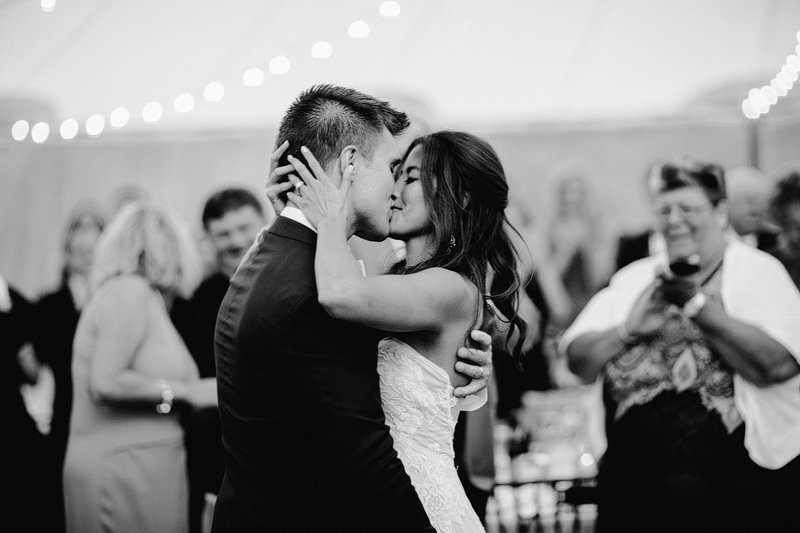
306,447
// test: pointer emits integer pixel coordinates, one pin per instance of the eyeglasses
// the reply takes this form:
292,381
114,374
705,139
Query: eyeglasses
689,213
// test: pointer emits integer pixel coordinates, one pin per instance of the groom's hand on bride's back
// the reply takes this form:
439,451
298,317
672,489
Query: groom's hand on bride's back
475,362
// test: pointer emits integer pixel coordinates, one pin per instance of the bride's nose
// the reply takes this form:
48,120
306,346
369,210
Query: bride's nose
397,194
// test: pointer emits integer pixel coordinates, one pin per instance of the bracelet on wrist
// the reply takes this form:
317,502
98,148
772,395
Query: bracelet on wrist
167,398
623,335
694,305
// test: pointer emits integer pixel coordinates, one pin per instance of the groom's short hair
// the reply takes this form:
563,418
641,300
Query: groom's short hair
326,118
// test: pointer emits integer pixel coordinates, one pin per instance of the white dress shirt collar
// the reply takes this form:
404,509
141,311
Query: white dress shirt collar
297,215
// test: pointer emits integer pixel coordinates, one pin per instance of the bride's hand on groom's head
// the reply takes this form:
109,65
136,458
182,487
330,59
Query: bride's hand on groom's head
315,193
475,363
277,184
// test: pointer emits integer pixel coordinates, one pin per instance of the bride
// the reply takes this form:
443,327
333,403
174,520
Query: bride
450,197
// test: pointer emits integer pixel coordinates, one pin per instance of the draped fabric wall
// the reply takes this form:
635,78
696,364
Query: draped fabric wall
41,184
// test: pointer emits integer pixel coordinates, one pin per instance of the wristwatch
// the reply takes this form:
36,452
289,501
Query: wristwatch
694,305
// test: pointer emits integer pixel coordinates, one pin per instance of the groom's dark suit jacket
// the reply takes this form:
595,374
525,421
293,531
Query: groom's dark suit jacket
306,446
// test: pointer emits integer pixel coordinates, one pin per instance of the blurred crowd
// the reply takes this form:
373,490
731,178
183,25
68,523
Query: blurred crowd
127,337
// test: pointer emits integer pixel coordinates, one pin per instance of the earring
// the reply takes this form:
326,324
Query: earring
451,245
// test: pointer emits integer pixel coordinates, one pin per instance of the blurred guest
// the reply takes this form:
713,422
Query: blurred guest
57,317
231,219
125,467
512,381
21,466
784,206
637,245
576,243
127,194
686,358
574,259
747,208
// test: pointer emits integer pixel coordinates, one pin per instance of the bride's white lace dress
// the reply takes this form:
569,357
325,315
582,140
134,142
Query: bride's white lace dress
421,413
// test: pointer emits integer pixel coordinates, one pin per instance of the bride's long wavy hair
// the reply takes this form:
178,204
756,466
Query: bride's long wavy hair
466,194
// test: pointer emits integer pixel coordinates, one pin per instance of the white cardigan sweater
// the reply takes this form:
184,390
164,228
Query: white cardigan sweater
756,289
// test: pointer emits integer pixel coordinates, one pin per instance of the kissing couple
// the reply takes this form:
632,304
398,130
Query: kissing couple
339,392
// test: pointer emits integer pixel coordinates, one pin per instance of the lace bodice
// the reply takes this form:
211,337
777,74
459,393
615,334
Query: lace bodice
421,413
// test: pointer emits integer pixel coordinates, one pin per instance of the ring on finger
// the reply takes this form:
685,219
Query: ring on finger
480,372
298,186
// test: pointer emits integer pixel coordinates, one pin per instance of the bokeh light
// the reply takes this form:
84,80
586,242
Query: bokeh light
184,103
780,87
321,50
39,132
749,109
358,30
20,130
253,77
389,9
152,112
95,125
279,65
770,93
214,92
69,129
119,117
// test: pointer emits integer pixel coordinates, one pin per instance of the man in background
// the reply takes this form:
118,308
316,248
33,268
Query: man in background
748,192
231,219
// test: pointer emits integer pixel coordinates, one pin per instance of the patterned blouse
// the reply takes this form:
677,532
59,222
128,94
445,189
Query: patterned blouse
677,359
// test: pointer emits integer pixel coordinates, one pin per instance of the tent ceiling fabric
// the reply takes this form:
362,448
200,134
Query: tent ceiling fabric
476,62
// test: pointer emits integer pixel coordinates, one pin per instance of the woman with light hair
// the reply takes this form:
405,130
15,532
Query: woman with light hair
125,464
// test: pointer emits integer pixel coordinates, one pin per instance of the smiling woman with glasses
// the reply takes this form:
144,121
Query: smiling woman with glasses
699,361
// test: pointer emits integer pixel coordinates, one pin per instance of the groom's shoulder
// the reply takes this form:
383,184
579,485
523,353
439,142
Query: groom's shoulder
286,228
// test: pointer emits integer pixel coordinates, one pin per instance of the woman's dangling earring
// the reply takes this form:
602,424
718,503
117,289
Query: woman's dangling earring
451,245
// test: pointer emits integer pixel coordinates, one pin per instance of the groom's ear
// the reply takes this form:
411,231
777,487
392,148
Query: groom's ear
347,157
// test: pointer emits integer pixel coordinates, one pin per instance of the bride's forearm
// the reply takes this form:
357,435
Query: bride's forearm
338,275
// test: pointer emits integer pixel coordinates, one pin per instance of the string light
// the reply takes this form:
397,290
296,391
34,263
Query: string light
185,102
279,65
214,92
253,77
781,89
20,130
152,112
358,30
785,79
321,50
770,93
389,9
69,129
39,132
95,125
119,117
758,101
749,109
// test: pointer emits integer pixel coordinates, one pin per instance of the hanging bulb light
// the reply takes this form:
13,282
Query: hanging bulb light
20,130
749,109
69,129
781,89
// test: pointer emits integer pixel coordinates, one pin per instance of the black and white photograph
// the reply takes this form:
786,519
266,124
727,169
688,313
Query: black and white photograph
440,266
